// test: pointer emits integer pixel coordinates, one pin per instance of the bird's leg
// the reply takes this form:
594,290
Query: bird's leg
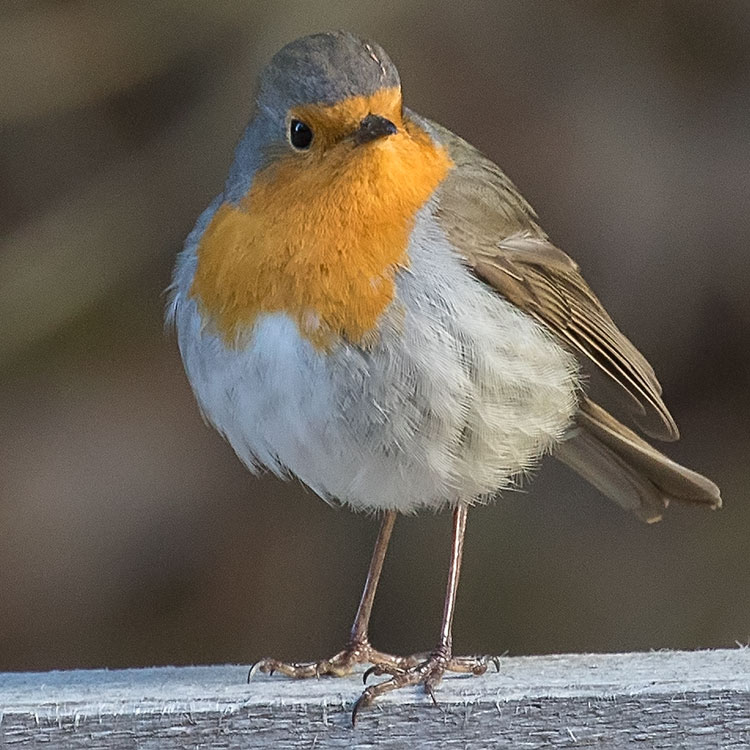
358,649
429,672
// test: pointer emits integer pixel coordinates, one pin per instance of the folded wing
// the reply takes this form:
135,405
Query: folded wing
498,236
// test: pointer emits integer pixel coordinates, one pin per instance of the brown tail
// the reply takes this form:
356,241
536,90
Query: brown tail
627,469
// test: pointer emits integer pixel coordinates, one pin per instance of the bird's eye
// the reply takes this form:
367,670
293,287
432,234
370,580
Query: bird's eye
300,135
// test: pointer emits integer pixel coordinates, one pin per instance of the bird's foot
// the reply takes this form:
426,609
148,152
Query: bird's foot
339,665
428,672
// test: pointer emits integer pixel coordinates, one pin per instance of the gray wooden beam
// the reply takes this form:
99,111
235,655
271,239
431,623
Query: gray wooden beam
654,700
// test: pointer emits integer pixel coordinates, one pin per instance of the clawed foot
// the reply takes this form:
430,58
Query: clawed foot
428,673
339,665
419,669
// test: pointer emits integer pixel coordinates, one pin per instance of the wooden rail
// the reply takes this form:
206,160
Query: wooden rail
606,701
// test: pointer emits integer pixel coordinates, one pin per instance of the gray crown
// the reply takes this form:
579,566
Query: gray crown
325,68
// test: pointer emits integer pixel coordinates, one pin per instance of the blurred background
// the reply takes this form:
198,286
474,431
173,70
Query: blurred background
130,534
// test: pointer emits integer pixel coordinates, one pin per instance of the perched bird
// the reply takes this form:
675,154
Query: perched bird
371,306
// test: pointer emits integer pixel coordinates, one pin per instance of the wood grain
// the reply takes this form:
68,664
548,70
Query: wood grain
653,700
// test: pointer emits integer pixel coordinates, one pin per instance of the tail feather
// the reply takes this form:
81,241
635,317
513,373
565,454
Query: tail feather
627,469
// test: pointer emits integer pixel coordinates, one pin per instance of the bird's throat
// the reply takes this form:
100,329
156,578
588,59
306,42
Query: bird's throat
320,241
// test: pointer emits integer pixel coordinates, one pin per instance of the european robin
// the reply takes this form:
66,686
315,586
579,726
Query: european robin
371,306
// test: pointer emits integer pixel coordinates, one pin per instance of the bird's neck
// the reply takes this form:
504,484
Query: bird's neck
321,244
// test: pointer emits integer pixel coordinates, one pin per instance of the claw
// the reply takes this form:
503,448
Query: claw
429,690
363,701
254,670
368,672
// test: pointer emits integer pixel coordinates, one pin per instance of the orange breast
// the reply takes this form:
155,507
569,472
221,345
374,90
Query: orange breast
319,236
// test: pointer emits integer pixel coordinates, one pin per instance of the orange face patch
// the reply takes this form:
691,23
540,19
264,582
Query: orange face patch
321,233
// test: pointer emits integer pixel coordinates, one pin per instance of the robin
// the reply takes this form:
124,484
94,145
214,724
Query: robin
371,306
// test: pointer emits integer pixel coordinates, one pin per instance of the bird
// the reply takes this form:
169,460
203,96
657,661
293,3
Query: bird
370,306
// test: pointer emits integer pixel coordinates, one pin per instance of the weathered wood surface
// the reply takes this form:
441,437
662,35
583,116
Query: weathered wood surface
653,700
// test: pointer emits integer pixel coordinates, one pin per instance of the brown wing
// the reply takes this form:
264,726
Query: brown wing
496,230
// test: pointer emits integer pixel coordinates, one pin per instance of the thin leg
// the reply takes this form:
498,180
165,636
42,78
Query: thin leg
362,619
454,571
430,671
358,649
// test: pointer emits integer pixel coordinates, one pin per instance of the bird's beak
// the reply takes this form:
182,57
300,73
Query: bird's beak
373,127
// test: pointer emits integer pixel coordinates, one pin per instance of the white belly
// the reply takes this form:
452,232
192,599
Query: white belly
461,394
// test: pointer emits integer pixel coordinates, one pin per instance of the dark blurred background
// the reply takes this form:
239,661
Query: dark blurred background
131,535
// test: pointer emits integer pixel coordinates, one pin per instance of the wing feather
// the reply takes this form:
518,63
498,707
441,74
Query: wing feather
496,232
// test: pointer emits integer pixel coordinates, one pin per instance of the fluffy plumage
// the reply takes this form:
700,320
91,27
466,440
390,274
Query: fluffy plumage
459,394
468,374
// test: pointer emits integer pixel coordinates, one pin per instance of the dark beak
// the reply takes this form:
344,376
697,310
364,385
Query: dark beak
373,127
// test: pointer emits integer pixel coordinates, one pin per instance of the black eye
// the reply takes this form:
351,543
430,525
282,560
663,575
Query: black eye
300,135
